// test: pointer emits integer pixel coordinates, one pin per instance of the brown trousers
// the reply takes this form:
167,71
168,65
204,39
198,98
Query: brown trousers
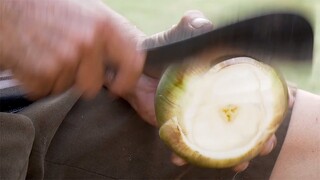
66,137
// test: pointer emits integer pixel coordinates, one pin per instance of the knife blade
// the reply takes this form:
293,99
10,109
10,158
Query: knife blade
274,35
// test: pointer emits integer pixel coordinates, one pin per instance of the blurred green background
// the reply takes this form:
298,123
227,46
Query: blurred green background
155,16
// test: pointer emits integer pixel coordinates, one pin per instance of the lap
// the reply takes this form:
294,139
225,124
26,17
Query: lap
105,138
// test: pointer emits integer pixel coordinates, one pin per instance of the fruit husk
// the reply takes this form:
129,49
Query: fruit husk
171,90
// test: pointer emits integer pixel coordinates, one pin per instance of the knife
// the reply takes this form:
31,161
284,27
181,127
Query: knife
269,36
265,37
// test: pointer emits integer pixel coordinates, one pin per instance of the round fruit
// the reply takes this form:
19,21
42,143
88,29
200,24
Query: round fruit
219,116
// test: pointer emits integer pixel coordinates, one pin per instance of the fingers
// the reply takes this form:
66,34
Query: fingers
193,23
90,74
66,47
129,71
196,22
66,78
269,146
37,78
122,57
178,161
142,97
241,167
122,75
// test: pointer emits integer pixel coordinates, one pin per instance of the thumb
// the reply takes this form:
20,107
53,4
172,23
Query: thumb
193,23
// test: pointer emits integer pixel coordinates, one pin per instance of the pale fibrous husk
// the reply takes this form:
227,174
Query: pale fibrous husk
220,115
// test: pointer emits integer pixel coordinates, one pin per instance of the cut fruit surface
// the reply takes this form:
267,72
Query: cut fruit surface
220,116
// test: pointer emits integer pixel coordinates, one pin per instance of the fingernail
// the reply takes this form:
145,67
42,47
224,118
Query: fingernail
199,22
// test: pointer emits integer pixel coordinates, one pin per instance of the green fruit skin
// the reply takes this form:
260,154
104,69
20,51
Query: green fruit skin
170,91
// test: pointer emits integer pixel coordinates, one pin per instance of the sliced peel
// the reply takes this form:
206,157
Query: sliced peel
220,116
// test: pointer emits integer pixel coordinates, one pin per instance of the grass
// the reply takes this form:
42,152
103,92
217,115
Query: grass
154,16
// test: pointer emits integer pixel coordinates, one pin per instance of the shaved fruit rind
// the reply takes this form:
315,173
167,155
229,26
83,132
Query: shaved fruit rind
219,116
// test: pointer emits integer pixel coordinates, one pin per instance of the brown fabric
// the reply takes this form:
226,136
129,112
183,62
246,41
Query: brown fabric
105,139
16,139
25,137
46,116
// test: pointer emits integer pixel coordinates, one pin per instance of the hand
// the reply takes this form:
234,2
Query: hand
52,45
268,147
142,97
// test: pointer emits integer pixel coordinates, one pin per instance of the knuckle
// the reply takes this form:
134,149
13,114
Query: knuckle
184,20
83,39
50,71
69,57
99,23
89,89
87,40
90,36
35,90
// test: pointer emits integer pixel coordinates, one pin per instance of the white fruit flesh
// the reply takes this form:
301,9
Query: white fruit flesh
226,111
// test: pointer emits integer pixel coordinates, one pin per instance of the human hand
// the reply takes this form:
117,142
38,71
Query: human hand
52,45
142,97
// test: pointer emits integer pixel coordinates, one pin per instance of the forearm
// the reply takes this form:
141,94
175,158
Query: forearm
300,154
